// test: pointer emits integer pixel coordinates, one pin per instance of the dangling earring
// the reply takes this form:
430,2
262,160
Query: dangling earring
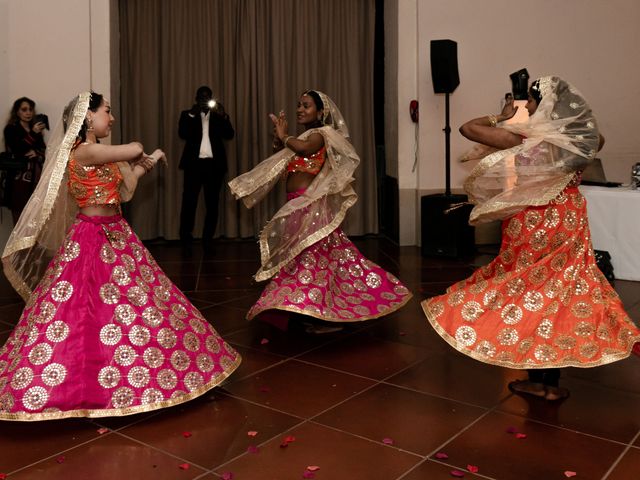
90,124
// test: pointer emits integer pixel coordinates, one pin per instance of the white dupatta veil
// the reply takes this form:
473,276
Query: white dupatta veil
560,139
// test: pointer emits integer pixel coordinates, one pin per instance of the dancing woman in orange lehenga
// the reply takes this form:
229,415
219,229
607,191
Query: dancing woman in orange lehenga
542,303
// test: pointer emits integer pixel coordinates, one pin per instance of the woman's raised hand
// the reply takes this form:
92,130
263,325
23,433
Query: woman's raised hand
509,110
280,124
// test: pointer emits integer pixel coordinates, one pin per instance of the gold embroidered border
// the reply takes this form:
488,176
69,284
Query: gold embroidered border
332,319
520,366
120,412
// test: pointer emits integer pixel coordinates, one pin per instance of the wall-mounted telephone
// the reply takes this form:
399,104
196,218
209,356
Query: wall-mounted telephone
414,111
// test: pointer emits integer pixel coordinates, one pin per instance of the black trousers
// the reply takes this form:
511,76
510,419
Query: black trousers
547,376
204,173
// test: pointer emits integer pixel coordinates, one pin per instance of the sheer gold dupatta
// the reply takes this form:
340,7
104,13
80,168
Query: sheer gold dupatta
560,138
303,221
50,210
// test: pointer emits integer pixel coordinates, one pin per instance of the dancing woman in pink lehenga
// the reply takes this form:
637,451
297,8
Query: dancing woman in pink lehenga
104,332
315,270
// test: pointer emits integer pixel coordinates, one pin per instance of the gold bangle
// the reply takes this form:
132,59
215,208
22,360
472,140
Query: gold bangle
286,139
493,120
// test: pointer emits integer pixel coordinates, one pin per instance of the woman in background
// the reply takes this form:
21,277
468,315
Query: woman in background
315,269
542,304
104,332
23,137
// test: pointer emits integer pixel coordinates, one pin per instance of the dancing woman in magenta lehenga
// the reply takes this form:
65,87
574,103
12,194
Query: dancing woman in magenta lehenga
104,332
314,268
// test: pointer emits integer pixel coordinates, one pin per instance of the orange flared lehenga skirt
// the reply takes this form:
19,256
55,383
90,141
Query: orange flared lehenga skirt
542,302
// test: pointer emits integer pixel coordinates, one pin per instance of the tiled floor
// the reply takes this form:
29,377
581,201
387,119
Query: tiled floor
377,401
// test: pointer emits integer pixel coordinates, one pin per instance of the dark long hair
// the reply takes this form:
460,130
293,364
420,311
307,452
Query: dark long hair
13,115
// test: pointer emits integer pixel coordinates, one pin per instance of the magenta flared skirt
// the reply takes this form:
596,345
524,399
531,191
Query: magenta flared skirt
331,280
106,333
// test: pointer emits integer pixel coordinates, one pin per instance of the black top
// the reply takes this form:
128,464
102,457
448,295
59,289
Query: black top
190,130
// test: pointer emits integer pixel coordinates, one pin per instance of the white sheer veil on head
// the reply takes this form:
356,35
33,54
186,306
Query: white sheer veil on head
44,222
332,117
559,139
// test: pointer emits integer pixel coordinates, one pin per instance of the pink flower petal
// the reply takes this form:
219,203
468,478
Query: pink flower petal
287,440
227,476
313,468
308,475
184,466
186,434
569,474
264,341
457,473
441,455
387,441
252,433
102,430
253,449
60,459
472,468
521,435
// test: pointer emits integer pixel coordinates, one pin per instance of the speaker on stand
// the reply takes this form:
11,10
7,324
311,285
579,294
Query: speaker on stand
445,217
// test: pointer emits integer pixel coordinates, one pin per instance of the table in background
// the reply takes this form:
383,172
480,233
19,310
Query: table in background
614,220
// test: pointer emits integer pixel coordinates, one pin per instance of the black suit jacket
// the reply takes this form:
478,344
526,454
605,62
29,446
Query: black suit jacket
190,130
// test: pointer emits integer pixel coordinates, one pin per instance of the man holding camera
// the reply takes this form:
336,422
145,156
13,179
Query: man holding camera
204,161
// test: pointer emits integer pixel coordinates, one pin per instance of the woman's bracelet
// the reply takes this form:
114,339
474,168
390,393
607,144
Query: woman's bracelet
493,120
286,139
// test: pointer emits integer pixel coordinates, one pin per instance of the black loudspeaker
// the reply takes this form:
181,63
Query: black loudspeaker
445,226
444,66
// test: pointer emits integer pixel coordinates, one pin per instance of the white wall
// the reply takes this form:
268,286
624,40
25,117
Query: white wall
50,50
592,44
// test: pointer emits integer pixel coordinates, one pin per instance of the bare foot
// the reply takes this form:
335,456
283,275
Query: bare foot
556,393
528,388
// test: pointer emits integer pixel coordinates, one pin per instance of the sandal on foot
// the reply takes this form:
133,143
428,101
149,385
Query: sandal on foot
528,388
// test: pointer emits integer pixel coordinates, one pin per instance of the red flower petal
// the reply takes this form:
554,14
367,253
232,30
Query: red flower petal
457,473
308,475
264,341
227,476
289,439
441,455
184,466
60,459
512,430
101,431
253,449
569,474
3,476
186,434
264,388
252,433
521,435
402,334
472,468
387,441
313,468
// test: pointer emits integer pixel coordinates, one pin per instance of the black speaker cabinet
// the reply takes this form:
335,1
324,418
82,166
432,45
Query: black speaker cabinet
444,66
445,226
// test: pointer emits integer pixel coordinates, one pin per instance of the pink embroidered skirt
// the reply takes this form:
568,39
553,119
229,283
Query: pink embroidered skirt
331,280
106,333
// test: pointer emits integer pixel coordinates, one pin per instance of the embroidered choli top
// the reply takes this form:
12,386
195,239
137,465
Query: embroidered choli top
312,164
94,184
